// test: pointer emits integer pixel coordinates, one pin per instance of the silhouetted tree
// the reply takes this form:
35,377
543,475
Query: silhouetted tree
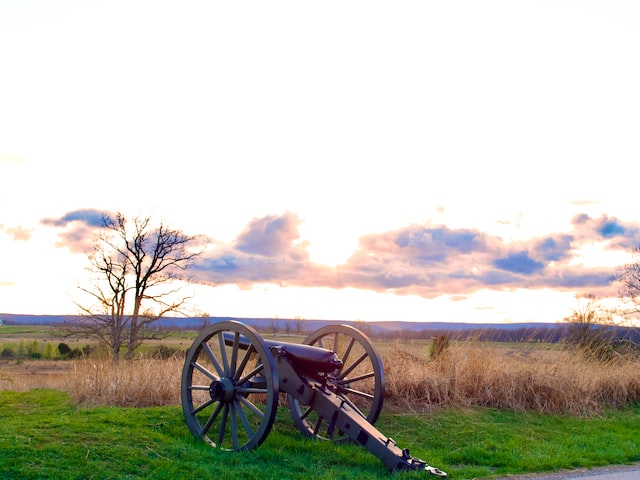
139,272
275,325
298,323
585,318
628,281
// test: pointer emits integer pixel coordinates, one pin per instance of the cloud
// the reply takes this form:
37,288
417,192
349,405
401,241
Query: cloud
271,236
266,251
421,259
619,235
425,260
519,262
80,229
88,216
18,233
552,248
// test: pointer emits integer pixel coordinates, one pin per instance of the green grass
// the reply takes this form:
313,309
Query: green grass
43,435
32,330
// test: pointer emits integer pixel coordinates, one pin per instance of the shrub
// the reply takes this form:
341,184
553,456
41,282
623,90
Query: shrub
48,351
164,352
75,353
33,347
8,353
64,349
22,348
439,346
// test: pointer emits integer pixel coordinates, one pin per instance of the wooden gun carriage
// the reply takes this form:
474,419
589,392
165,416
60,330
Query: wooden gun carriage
334,383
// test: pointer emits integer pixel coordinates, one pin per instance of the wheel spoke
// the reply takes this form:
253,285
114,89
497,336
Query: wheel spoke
356,379
243,363
353,365
234,426
251,374
213,359
359,393
223,354
223,423
316,429
347,352
204,370
248,390
202,407
245,421
211,419
234,354
199,387
306,413
252,407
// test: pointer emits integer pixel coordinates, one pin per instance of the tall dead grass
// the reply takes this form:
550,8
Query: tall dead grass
144,382
549,381
464,375
27,375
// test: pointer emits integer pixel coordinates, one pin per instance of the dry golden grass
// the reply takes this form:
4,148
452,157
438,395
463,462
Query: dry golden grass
466,375
141,383
548,381
31,374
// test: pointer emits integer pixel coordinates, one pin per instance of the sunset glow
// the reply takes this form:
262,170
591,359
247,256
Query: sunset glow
465,161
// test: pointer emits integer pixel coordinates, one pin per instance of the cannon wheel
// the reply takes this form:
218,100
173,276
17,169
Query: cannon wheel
360,381
229,387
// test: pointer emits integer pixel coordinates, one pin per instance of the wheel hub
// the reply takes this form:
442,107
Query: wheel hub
222,390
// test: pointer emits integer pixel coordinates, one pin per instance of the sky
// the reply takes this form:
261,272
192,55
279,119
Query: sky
356,160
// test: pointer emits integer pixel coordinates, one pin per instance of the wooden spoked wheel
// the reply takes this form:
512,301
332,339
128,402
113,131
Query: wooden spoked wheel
360,381
229,387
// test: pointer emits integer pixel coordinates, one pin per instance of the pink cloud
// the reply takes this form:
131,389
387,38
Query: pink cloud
19,233
424,260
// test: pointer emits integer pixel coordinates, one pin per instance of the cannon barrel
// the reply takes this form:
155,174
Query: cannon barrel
308,358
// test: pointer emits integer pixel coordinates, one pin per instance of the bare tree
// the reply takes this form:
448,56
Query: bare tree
275,325
585,318
298,323
628,281
288,325
140,270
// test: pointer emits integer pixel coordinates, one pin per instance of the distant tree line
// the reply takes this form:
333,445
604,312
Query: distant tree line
564,333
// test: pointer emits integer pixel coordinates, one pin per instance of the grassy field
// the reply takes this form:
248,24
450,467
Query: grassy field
476,410
546,378
44,435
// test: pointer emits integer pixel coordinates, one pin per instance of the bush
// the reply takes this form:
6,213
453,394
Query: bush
164,352
75,353
439,346
48,350
8,353
64,349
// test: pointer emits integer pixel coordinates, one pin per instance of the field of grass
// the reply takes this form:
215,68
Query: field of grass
476,410
546,378
44,434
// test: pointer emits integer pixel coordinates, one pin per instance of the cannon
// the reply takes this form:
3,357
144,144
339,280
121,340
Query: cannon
334,385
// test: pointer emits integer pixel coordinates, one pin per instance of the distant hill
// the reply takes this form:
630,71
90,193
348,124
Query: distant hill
383,327
501,332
